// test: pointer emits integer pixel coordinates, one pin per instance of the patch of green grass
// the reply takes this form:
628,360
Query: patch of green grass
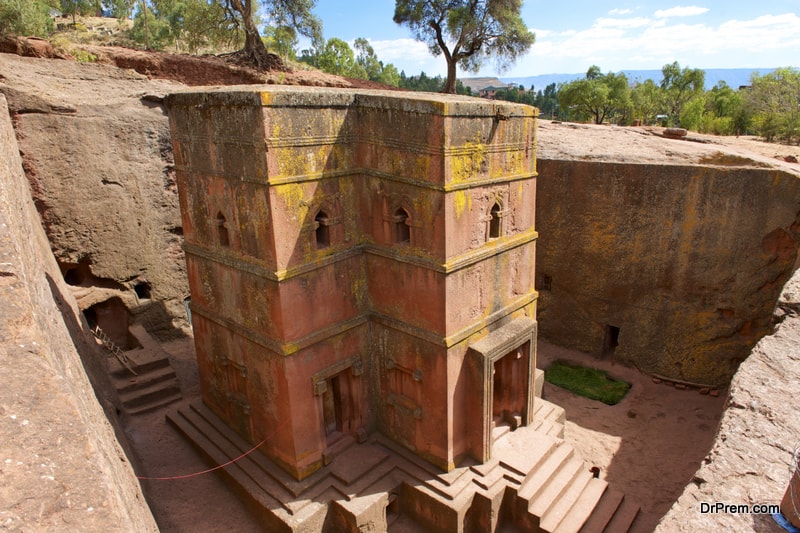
587,382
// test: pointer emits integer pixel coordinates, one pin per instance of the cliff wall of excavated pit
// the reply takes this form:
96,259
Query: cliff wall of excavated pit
63,467
102,178
674,269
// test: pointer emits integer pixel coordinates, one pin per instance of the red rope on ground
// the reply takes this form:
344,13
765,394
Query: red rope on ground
185,476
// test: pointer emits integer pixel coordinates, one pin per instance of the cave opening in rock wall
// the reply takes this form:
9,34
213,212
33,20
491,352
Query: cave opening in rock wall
610,341
113,318
143,290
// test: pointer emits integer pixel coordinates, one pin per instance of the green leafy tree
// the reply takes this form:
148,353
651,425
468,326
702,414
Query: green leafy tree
373,67
646,101
598,96
80,7
283,40
338,58
206,25
367,59
25,17
724,112
120,9
390,75
680,86
150,29
294,14
467,32
774,101
421,82
693,114
547,100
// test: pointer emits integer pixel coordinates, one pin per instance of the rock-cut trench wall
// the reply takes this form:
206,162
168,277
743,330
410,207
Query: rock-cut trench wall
63,467
675,269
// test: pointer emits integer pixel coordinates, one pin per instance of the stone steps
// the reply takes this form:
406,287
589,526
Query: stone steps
553,490
154,386
613,513
560,492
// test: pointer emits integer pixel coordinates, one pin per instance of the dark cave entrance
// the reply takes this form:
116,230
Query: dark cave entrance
610,341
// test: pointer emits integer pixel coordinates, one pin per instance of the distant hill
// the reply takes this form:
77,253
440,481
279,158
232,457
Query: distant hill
476,84
734,77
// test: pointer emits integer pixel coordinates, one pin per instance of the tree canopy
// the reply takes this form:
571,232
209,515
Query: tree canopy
597,95
467,32
26,17
774,100
680,86
294,14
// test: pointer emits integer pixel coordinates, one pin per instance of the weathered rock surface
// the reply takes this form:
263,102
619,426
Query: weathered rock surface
62,467
99,160
749,462
667,253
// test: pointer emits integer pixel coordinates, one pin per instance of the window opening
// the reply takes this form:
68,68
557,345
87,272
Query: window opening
222,231
402,229
494,222
323,230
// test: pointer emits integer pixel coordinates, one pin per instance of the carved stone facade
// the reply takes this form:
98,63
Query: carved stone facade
360,262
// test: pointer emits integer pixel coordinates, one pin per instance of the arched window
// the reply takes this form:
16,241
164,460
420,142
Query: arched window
494,222
222,231
322,232
402,229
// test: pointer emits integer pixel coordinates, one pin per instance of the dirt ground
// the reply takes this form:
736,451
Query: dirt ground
649,446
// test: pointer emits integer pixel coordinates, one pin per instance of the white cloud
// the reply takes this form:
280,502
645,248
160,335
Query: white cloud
407,49
620,12
640,43
622,23
681,11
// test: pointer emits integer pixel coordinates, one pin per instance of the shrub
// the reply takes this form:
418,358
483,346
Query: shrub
25,17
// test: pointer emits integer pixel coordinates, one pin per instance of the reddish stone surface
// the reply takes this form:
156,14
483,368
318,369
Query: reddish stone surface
359,262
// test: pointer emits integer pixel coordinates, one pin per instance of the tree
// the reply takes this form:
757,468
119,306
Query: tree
547,100
597,95
680,86
338,58
80,7
390,76
724,112
25,17
367,59
774,100
282,39
467,31
283,13
646,100
150,29
373,67
120,9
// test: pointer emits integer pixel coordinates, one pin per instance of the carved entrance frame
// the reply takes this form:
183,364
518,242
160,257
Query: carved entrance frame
485,353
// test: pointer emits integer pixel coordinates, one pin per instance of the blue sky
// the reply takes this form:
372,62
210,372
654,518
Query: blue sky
615,35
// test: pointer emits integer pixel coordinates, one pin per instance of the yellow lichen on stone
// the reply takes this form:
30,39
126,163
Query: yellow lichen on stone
462,202
466,166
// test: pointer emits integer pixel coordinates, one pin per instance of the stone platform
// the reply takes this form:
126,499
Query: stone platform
534,482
